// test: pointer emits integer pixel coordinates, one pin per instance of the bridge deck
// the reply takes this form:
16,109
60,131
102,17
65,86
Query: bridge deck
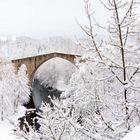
23,58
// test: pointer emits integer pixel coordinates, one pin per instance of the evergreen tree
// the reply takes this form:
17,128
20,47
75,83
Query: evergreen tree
23,89
8,85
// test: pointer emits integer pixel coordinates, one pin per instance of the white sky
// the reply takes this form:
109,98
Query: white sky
42,18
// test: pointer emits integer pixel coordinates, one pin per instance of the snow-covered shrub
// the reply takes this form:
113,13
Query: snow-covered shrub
54,123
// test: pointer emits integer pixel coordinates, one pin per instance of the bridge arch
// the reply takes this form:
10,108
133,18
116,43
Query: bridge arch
33,63
46,61
51,78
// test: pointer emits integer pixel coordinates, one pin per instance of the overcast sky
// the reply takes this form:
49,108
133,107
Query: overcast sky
44,18
41,18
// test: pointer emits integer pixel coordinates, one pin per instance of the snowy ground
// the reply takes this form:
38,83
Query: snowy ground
6,126
134,135
6,131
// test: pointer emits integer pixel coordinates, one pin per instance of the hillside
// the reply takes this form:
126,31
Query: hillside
18,47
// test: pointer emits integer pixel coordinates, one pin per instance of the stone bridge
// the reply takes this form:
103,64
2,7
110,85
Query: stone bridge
32,63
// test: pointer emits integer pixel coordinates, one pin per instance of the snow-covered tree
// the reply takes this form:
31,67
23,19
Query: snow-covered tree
8,85
54,122
105,91
23,89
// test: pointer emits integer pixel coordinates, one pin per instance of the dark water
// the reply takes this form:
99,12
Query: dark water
42,93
